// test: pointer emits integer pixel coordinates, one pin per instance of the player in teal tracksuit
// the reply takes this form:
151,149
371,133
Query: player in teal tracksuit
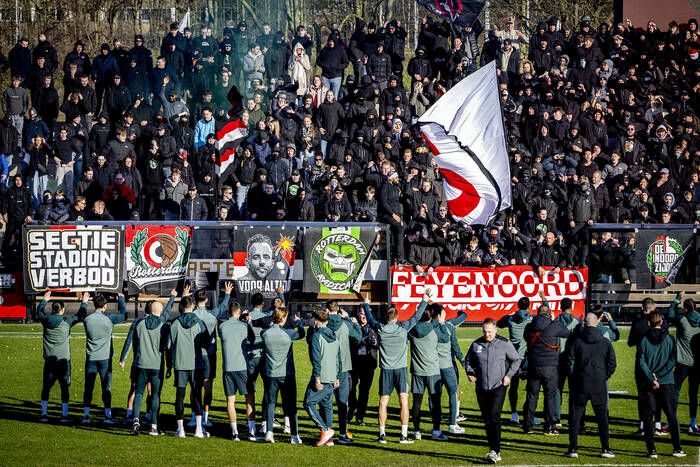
425,370
324,352
393,356
235,336
345,329
447,351
148,336
56,340
280,374
210,319
133,373
256,363
99,352
187,338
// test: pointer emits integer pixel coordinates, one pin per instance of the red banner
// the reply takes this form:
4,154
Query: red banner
487,293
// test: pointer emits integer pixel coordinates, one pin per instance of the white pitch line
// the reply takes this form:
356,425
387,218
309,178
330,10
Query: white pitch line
38,335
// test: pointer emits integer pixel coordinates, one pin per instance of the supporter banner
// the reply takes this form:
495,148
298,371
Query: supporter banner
73,258
333,257
487,293
263,259
663,257
156,257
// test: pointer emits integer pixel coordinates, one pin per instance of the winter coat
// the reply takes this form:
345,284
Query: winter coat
542,338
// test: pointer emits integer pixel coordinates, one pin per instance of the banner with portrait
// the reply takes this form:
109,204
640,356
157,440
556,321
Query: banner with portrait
263,260
73,258
664,257
487,293
156,257
333,257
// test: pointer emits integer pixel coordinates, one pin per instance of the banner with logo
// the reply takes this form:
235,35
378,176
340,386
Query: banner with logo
70,258
333,257
487,293
664,257
263,260
156,257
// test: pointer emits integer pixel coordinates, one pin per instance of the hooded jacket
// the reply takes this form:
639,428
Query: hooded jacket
188,336
516,324
656,357
324,350
687,327
541,336
590,361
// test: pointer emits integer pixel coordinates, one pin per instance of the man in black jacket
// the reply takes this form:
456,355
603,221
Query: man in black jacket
390,212
590,362
17,208
548,254
333,61
364,362
542,337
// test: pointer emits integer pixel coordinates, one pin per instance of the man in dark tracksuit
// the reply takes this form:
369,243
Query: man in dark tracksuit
570,322
639,328
590,362
364,363
99,351
542,340
56,340
148,336
491,363
656,357
187,340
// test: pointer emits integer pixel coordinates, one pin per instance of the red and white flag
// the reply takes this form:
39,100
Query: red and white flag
464,131
227,140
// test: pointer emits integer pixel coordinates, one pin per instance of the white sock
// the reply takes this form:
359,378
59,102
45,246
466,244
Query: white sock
641,425
64,406
404,430
251,426
154,427
129,412
205,415
44,407
180,426
286,421
86,411
382,430
263,427
457,405
198,421
234,429
657,425
108,413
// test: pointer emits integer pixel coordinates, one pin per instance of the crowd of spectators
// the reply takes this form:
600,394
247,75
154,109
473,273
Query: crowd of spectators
601,127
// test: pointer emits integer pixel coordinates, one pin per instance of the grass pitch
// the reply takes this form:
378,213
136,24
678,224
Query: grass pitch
26,441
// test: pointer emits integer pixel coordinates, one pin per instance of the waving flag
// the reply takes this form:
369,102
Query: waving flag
464,131
461,12
227,140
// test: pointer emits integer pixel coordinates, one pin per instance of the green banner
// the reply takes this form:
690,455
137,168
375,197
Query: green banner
333,257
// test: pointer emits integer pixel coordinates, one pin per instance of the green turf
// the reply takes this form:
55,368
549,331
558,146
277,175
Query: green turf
26,441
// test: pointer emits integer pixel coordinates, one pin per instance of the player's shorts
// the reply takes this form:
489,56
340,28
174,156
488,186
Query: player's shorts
183,377
235,381
420,383
256,366
56,370
390,380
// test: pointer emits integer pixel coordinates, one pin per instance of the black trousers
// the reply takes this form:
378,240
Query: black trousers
663,397
359,392
578,411
544,377
491,405
397,229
